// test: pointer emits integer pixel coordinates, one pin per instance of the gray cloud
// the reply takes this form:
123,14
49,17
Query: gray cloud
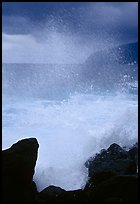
117,18
75,29
82,17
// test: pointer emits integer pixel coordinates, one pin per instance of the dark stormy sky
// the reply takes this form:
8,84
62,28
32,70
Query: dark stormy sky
65,32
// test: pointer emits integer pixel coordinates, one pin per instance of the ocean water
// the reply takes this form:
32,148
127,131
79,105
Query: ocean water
70,121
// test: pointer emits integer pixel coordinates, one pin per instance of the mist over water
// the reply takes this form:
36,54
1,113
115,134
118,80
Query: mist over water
71,123
72,110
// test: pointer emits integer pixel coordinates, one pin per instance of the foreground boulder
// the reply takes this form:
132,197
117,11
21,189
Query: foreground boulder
116,189
115,159
113,175
57,194
18,163
50,194
133,154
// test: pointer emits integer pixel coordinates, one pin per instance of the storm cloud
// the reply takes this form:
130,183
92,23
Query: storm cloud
65,27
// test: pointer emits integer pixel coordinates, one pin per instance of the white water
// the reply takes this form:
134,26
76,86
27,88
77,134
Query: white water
41,100
69,132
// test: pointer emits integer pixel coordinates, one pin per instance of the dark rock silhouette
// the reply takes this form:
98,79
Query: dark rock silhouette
113,176
50,194
74,196
133,153
18,163
114,159
57,194
98,178
116,189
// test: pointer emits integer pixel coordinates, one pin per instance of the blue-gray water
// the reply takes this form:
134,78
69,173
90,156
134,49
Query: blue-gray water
72,117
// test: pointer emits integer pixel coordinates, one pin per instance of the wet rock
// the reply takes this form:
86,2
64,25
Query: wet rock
18,163
57,194
116,189
114,159
113,175
133,153
98,178
50,194
74,196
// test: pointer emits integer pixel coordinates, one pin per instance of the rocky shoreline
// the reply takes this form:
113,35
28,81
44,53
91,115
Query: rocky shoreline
112,175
